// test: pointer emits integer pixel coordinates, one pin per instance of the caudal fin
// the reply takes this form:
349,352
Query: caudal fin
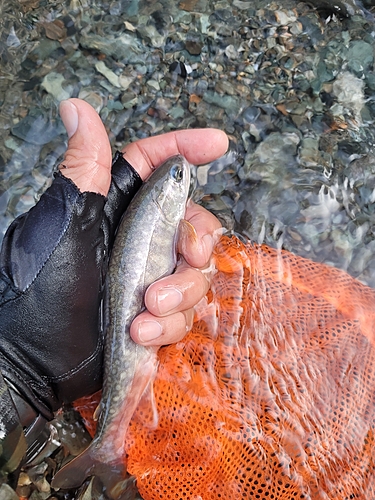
113,476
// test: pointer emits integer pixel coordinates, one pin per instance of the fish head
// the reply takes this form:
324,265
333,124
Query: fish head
171,188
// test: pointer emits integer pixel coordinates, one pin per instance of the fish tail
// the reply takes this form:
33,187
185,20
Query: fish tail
113,476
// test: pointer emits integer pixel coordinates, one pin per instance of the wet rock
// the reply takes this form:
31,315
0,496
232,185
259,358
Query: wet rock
265,161
178,68
251,114
55,30
231,52
12,39
223,101
53,84
348,90
43,49
130,8
109,74
125,47
370,80
151,35
192,5
342,8
309,153
360,57
153,84
92,97
285,17
71,431
194,47
128,100
242,5
36,128
28,5
7,493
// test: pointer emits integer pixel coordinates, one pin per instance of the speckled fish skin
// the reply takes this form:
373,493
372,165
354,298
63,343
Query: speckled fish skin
144,251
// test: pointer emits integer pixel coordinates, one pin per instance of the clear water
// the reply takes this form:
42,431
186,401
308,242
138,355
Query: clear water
292,87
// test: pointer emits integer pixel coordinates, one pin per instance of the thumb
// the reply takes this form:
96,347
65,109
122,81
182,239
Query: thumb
87,161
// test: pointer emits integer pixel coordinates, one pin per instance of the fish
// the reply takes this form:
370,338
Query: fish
145,250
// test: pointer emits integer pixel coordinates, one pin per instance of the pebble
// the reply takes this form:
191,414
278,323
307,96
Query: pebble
153,84
360,57
124,47
109,74
53,84
349,91
55,30
7,493
93,97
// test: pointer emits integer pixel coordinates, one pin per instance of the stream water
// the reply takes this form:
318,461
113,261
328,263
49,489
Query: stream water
292,86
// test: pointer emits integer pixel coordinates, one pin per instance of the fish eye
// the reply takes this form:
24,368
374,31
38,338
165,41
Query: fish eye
177,173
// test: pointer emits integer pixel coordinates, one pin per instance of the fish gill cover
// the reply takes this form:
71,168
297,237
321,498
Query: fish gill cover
270,395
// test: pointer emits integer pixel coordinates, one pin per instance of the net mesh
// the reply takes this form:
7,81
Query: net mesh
271,394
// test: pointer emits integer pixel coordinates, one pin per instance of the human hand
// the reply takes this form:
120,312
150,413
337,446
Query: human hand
51,343
169,301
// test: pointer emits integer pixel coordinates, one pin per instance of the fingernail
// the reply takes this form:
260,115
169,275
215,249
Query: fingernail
69,116
149,330
168,299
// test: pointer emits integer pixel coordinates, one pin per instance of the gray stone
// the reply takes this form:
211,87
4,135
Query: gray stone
360,57
221,100
7,493
52,83
124,47
36,128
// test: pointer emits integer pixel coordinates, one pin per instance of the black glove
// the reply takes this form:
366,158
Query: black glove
53,264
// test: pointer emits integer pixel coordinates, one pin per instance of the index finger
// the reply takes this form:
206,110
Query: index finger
198,146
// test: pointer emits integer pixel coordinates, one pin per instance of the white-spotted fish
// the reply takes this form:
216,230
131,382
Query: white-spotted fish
144,251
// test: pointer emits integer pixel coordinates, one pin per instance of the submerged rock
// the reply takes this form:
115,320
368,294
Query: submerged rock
7,493
349,91
36,128
343,8
124,47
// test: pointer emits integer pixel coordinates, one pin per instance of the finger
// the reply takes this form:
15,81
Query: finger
87,161
147,329
197,145
197,251
177,292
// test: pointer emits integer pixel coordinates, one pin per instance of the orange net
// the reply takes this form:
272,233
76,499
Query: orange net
86,407
271,395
